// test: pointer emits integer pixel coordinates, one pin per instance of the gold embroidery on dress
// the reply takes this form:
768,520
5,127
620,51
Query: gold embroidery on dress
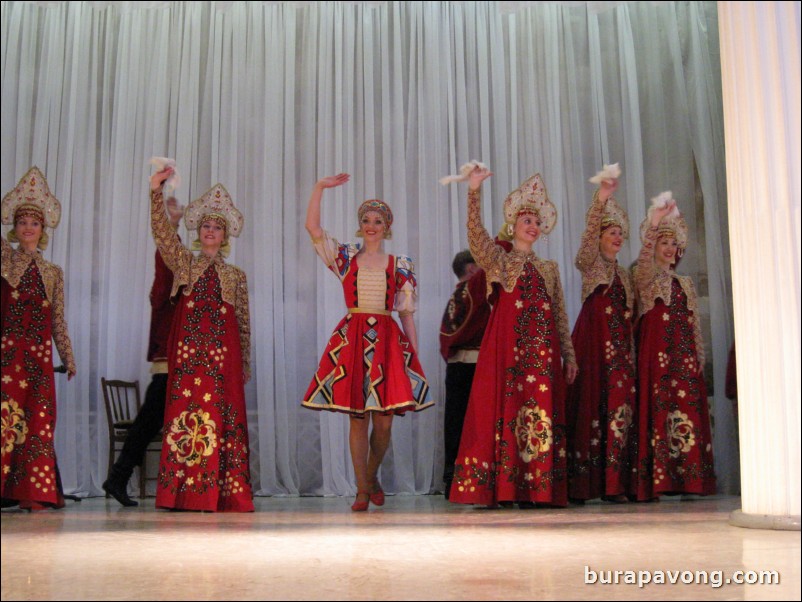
506,267
187,268
652,283
13,264
594,267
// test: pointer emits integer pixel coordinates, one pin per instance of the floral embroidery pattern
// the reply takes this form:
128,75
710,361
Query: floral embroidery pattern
191,437
679,433
621,421
15,428
533,432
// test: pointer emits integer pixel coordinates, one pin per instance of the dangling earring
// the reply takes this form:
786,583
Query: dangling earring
388,234
510,230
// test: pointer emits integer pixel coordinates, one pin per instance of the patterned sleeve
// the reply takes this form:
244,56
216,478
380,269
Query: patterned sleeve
60,334
697,326
488,255
5,254
561,319
406,286
175,255
337,257
242,311
589,247
646,270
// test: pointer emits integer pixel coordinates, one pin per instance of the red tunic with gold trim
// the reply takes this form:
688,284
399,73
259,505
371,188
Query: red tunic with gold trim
513,439
369,364
204,462
32,295
675,445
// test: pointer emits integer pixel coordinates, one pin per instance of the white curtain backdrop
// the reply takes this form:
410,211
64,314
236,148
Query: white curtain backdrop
267,97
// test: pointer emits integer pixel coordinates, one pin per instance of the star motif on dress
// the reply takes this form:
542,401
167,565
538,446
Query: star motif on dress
562,452
594,442
681,393
530,378
191,481
620,384
520,387
627,314
609,310
519,304
15,294
17,368
673,382
197,381
546,306
666,317
543,388
207,397
45,303
23,384
7,379
595,424
190,304
180,474
223,309
187,393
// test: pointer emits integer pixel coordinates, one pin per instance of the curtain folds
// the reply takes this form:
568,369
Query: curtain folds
267,97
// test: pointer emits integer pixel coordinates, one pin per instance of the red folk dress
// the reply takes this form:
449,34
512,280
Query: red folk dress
675,445
513,445
369,364
204,462
602,400
32,294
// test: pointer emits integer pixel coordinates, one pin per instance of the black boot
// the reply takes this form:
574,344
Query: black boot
117,485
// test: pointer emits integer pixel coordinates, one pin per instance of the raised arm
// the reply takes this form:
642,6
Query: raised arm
313,209
589,247
169,244
646,267
487,254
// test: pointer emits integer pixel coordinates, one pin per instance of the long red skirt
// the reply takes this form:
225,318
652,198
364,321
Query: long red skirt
602,400
28,394
513,438
204,461
675,446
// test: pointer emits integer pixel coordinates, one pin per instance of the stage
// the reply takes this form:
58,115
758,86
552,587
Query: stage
415,547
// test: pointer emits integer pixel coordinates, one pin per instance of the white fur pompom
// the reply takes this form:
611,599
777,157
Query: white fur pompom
174,181
608,172
465,173
662,199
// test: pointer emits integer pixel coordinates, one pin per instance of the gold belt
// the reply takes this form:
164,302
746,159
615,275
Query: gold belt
362,310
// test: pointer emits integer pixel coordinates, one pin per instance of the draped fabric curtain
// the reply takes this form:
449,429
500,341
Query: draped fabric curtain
267,97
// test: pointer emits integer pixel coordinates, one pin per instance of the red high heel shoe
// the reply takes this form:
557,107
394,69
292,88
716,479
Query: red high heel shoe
358,506
377,495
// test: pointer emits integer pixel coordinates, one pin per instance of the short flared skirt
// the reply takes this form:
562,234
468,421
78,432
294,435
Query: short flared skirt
369,365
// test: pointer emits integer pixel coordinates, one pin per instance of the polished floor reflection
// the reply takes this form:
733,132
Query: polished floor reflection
417,548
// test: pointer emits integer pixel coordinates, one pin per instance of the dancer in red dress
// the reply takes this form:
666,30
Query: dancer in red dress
32,294
675,446
601,401
370,368
513,444
204,462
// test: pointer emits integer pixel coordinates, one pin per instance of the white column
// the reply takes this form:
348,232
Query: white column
760,70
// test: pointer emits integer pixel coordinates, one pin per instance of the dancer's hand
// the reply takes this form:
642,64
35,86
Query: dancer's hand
478,175
157,179
607,188
659,213
333,181
571,370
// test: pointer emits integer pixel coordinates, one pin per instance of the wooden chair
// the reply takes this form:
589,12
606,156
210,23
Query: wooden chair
122,405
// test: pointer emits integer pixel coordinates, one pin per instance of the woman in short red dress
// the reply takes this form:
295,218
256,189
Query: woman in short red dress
601,402
205,462
513,446
675,446
32,292
370,369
